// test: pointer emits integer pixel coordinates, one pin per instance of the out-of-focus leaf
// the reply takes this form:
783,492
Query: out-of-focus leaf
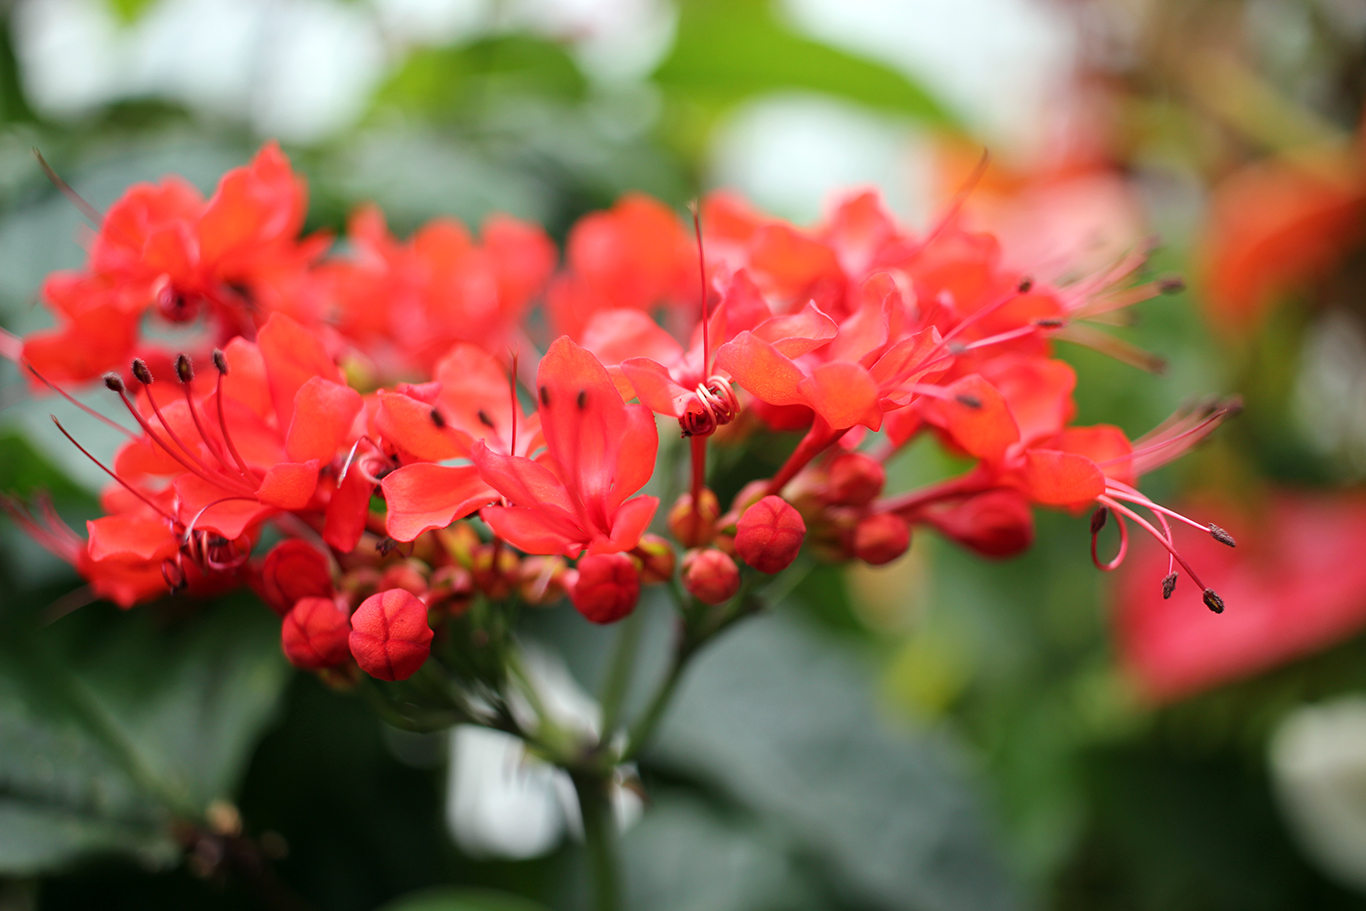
112,724
23,471
683,856
439,83
785,723
728,51
128,11
445,899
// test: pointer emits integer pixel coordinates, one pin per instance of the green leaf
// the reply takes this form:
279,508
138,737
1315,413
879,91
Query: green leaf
727,52
785,723
451,899
128,11
113,724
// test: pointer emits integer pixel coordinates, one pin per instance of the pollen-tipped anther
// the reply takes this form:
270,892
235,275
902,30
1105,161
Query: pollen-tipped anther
1171,284
1221,536
1168,585
438,419
1098,519
184,370
113,382
968,401
220,360
1050,322
141,372
1213,601
1026,284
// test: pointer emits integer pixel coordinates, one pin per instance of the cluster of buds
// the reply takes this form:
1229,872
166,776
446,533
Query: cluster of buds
369,510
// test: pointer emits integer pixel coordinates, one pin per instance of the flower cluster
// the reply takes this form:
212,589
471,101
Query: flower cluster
363,433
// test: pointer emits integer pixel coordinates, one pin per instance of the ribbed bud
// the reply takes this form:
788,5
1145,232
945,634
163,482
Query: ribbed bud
710,576
607,588
316,634
657,559
292,570
769,535
854,479
390,638
881,538
694,527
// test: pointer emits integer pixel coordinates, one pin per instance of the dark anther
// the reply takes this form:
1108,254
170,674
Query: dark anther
184,370
582,400
485,419
1026,284
220,360
545,397
1050,322
1213,601
968,401
141,372
1098,519
1168,585
1221,536
438,420
1171,284
114,382
385,546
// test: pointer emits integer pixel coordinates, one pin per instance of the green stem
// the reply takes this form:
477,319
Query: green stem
645,726
599,836
619,672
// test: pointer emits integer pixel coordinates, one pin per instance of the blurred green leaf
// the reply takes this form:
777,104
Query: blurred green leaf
785,722
443,899
23,471
113,723
726,52
128,11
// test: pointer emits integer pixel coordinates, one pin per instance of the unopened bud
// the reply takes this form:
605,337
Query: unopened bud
694,527
1222,536
1168,585
1213,601
184,370
854,479
881,538
220,360
608,587
113,382
292,570
316,634
141,372
998,523
390,638
710,576
657,559
769,535
1098,519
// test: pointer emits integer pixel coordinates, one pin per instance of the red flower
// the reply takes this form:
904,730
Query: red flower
599,451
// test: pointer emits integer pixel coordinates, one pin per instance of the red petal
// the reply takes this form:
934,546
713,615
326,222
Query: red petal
582,416
655,387
347,511
425,496
615,335
844,394
986,431
1055,478
289,485
141,537
208,507
293,355
323,414
798,333
533,531
630,522
523,481
761,369
408,424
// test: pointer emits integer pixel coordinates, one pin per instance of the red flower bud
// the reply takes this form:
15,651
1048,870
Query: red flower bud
854,479
881,538
694,527
607,588
390,637
656,558
997,523
315,633
769,535
292,570
710,576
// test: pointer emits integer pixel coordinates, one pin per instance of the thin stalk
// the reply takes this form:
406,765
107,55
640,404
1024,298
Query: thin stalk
599,831
619,672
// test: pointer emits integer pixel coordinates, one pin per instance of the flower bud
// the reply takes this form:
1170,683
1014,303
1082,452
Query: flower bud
769,534
543,580
854,479
315,634
407,575
495,570
292,570
881,538
710,576
607,588
390,638
656,558
694,527
997,523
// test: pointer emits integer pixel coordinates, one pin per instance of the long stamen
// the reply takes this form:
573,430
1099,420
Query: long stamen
86,408
512,403
1097,523
144,376
134,491
1212,600
185,373
222,364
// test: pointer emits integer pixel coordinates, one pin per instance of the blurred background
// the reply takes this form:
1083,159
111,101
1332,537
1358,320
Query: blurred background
938,734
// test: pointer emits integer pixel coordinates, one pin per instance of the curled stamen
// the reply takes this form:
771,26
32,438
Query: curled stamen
1097,523
714,405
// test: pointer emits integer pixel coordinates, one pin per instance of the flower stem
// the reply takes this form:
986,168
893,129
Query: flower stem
599,838
619,672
